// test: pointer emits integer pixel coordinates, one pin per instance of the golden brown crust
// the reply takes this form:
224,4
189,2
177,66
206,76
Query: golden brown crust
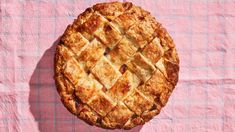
105,72
118,116
87,56
112,10
115,66
141,67
124,85
138,103
122,52
153,51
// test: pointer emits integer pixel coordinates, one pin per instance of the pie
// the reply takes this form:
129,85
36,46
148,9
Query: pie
115,66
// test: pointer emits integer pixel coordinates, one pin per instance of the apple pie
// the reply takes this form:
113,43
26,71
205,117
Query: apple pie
115,66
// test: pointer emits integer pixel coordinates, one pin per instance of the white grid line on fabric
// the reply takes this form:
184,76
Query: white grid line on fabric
223,75
203,68
55,105
178,102
172,99
207,47
171,32
5,119
10,120
38,57
33,17
190,65
74,117
22,52
72,16
21,45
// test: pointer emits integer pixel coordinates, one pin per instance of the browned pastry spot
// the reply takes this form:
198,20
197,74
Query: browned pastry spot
115,66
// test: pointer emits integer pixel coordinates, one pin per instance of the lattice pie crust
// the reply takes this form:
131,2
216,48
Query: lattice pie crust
115,66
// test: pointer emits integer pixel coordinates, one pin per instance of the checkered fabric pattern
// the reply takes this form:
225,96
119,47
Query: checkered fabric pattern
204,34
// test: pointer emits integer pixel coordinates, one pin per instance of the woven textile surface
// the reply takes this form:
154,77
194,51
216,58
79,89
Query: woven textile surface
204,35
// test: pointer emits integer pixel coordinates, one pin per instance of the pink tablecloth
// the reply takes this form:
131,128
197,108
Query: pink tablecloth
204,33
